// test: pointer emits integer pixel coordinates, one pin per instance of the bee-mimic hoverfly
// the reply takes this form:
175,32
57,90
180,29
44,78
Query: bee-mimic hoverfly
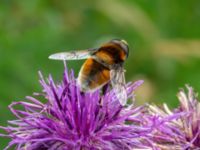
103,64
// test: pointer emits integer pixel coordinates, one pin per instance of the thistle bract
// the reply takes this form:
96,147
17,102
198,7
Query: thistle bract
70,119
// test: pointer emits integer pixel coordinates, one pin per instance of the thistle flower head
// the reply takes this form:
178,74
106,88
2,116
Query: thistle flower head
70,119
178,129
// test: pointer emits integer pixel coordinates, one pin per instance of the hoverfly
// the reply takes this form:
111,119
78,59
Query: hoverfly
103,64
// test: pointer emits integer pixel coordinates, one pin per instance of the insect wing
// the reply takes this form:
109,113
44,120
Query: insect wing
119,85
73,55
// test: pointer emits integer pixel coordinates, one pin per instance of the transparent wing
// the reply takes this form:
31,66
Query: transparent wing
73,55
119,84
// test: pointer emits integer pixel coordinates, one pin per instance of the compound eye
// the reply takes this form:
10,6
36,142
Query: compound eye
125,47
123,41
123,44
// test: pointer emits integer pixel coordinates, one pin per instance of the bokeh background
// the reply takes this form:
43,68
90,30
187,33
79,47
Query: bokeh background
164,39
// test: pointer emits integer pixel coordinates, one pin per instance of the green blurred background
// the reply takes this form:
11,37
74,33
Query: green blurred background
164,39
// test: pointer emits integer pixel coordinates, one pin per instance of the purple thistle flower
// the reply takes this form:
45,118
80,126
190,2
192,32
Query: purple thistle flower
178,129
70,119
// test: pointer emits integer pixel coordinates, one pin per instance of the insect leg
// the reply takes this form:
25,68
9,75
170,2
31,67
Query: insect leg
105,89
